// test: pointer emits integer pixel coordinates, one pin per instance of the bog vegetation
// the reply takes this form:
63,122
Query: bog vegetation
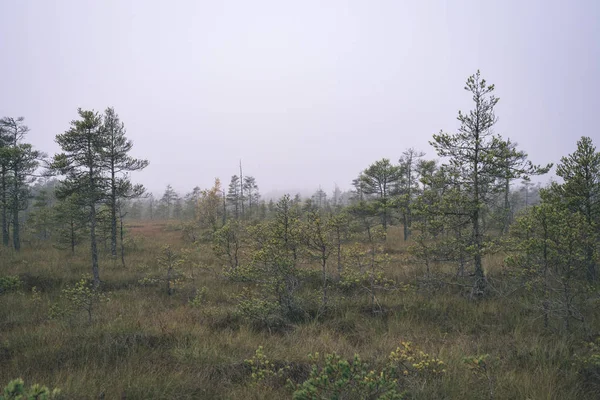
454,277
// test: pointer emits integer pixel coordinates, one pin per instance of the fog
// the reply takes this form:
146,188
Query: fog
303,93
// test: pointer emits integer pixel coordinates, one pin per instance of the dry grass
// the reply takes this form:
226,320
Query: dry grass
146,345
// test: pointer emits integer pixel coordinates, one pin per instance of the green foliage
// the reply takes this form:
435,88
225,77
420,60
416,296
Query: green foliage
10,283
588,365
264,373
36,297
550,254
190,232
580,194
82,296
228,242
336,378
200,298
275,252
82,164
16,390
333,377
70,222
171,261
409,361
318,235
581,174
40,220
149,281
262,311
18,162
381,179
208,207
365,263
475,172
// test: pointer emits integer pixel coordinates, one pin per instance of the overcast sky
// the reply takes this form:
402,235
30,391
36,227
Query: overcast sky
305,93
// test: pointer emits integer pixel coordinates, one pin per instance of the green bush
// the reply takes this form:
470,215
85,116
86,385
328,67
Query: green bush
263,371
199,299
333,377
82,296
16,390
10,284
338,378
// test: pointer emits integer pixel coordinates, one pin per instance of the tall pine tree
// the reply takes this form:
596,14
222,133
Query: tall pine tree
83,165
580,191
22,161
118,164
476,162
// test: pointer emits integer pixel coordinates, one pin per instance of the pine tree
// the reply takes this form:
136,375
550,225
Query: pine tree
408,186
319,199
136,210
168,200
70,220
550,245
151,206
252,193
580,191
190,202
177,208
476,163
83,165
513,165
118,164
23,160
336,199
4,182
41,215
381,179
234,196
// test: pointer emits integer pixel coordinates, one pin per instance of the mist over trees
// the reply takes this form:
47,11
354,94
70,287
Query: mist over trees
458,206
465,224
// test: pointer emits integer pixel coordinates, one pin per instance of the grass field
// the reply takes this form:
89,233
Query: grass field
144,344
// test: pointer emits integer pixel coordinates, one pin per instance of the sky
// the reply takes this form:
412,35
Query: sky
305,93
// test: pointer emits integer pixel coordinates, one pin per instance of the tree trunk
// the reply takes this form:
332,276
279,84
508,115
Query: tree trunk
480,284
113,215
94,246
546,301
407,217
122,246
507,216
5,235
241,189
591,264
339,253
169,278
324,267
72,236
16,227
224,212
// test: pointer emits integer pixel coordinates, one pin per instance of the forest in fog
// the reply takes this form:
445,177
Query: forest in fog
454,276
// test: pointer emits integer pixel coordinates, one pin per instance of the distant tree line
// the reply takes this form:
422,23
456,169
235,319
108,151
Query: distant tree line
475,200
